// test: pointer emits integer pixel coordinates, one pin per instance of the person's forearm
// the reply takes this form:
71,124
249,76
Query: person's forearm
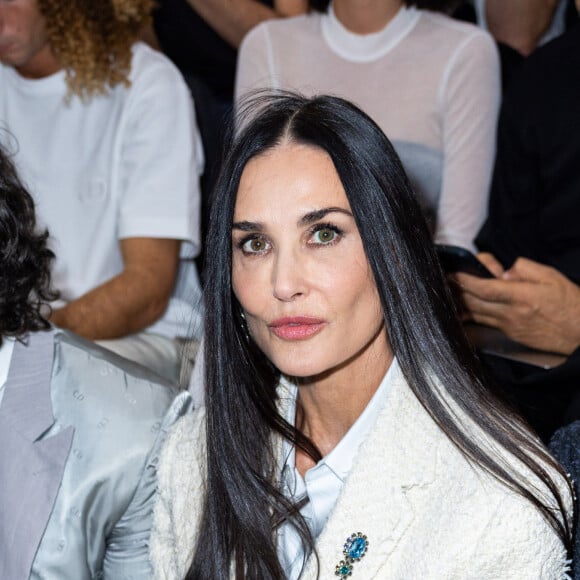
232,19
531,303
132,300
121,306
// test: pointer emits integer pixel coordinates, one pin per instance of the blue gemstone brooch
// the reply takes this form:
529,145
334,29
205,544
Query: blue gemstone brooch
354,549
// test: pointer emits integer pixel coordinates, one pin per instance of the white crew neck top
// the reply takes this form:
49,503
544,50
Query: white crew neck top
367,47
431,83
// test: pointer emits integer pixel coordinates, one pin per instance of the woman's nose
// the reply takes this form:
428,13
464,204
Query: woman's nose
288,275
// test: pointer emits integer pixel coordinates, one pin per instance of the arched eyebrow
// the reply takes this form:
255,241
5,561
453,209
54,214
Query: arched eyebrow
316,215
310,218
246,226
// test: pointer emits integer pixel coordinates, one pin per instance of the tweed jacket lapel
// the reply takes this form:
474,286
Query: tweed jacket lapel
31,467
382,494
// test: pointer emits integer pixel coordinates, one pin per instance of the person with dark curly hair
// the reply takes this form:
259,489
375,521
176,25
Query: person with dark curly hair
109,147
80,427
25,259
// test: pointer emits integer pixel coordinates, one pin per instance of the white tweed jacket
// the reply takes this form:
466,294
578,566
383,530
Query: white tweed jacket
427,512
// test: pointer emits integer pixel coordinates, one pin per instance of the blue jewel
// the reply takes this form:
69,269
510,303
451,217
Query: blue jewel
343,569
354,549
355,546
357,549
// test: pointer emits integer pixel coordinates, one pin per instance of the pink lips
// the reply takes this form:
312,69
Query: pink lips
296,327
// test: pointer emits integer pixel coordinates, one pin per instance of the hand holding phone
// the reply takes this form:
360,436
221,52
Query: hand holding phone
456,259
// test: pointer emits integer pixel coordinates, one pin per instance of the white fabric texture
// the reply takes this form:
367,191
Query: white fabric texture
431,83
6,349
154,351
122,165
428,512
323,482
196,378
170,358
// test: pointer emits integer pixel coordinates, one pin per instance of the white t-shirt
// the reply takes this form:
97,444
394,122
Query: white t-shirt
119,166
430,82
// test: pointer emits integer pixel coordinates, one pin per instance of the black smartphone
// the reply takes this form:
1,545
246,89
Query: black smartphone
456,259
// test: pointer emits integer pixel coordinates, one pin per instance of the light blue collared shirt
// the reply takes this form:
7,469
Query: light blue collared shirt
322,483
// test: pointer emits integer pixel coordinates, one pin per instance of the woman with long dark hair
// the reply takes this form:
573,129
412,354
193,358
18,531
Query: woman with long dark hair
346,429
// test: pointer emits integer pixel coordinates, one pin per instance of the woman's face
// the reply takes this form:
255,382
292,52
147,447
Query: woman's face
298,265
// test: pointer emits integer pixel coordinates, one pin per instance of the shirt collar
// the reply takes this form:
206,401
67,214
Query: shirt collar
367,47
43,85
341,458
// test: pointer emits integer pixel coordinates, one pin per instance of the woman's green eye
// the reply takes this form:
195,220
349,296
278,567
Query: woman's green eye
324,236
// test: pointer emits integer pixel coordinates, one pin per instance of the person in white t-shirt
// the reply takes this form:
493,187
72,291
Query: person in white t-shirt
431,83
104,136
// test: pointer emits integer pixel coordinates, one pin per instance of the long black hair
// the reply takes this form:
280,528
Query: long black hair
434,5
25,259
243,505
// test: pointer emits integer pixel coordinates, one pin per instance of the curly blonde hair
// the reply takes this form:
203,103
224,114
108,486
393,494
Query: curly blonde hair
92,40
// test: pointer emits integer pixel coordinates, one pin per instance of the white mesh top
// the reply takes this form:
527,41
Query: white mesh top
431,83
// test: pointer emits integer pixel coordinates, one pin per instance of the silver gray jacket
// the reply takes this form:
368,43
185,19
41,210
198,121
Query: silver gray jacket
80,433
